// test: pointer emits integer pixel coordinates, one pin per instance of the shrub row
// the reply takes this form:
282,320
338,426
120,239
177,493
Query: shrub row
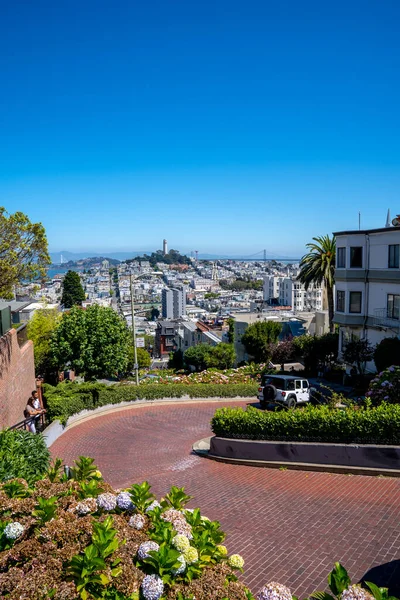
379,425
68,399
22,454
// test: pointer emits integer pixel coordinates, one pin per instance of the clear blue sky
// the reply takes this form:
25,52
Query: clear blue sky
223,126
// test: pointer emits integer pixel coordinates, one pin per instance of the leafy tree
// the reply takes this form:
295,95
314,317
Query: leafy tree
197,356
283,352
176,360
318,266
317,349
23,251
94,342
143,358
40,331
221,356
73,293
358,351
155,313
241,284
231,330
211,296
258,337
387,353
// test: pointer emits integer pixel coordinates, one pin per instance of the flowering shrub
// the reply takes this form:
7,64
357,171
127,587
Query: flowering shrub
246,374
113,545
385,387
83,553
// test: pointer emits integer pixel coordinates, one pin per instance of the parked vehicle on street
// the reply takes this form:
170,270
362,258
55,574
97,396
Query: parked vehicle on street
286,390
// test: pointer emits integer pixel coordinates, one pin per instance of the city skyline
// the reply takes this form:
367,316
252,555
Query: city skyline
222,126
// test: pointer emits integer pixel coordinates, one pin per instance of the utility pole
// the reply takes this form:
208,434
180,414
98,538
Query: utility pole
136,366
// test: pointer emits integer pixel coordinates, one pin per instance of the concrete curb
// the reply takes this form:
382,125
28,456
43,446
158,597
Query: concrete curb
56,429
202,448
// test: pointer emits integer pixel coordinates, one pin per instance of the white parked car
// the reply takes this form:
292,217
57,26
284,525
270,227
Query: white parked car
284,389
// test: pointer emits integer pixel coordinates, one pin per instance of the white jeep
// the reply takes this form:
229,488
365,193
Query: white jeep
284,389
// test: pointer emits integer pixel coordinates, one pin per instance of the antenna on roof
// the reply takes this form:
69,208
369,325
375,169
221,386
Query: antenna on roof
359,220
388,223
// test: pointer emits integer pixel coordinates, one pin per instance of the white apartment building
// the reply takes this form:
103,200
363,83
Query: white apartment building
174,302
367,274
290,292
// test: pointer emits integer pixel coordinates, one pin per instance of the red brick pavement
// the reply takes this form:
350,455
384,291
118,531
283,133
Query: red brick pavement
290,526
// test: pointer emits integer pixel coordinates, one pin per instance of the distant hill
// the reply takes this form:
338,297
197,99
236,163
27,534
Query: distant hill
67,256
87,263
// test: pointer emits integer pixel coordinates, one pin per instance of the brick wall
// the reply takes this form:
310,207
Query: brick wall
17,378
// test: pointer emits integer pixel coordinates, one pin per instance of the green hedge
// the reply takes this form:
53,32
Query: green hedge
379,425
22,454
67,399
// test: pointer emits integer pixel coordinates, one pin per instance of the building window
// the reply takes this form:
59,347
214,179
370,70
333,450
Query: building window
394,256
340,300
356,257
341,258
393,306
355,302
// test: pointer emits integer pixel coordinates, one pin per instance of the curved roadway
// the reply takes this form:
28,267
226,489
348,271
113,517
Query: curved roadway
290,526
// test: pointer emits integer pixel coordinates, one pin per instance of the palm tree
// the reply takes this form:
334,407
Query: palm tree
318,266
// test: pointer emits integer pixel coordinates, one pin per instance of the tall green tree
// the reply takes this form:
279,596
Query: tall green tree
358,352
94,342
221,356
73,293
40,330
258,337
143,358
197,356
23,251
318,266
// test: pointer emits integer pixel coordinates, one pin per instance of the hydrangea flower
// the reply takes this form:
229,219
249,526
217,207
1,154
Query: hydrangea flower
183,528
153,505
203,518
191,555
86,506
98,474
124,501
145,548
137,522
274,591
222,549
107,501
181,542
182,566
152,587
356,592
235,561
14,530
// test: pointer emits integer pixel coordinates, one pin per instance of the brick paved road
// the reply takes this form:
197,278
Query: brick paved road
290,526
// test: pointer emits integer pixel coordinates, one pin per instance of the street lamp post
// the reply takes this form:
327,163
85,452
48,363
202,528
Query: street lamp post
136,366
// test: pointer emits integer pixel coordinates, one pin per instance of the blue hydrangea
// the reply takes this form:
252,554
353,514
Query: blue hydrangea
152,587
145,548
124,501
153,505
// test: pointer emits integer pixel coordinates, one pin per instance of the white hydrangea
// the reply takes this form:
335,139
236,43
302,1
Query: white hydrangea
153,505
182,566
86,506
235,561
137,522
356,592
274,591
191,555
14,530
152,587
145,548
181,542
107,501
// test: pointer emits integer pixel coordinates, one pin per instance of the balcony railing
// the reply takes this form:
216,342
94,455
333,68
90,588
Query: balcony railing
382,318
